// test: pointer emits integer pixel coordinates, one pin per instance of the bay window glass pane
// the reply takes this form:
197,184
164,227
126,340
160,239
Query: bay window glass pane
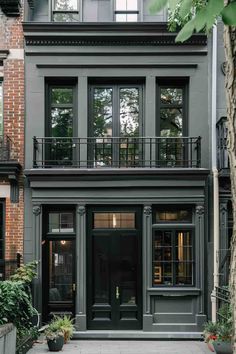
1,108
171,122
62,95
120,5
66,17
132,17
171,96
129,111
61,222
61,122
67,5
114,220
102,112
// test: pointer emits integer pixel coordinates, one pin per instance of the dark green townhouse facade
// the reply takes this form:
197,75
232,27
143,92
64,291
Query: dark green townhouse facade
118,159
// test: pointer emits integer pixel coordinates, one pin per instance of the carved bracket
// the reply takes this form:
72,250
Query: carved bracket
36,210
147,210
81,210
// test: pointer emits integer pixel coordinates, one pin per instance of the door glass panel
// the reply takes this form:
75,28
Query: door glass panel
114,220
102,126
61,270
101,269
171,122
61,222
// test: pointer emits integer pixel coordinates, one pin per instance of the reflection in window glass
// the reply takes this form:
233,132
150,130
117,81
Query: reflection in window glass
172,258
66,17
61,222
184,215
126,11
60,270
172,96
67,5
1,108
114,220
126,5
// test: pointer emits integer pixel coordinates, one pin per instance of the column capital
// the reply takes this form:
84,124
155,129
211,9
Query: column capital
81,210
147,210
37,210
200,210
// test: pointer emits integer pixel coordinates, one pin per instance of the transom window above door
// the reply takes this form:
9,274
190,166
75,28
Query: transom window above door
65,10
126,10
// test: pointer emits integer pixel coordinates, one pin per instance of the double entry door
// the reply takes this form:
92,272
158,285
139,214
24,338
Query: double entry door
114,269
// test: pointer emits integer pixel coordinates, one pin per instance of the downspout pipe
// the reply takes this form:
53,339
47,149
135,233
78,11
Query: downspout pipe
216,239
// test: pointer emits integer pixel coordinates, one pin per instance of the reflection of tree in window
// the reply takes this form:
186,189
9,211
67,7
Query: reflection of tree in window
129,112
66,11
102,112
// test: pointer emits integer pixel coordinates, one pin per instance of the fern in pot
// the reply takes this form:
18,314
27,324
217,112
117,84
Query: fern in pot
54,336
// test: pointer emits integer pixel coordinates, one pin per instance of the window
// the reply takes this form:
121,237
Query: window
62,222
2,246
116,121
114,220
60,124
65,10
126,10
173,149
173,260
1,108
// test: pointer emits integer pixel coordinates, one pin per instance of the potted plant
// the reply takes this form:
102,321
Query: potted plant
210,333
54,336
223,343
65,323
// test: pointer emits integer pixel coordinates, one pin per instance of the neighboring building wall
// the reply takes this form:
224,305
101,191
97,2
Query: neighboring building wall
12,74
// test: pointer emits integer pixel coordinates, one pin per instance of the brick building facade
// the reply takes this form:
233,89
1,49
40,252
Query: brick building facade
12,134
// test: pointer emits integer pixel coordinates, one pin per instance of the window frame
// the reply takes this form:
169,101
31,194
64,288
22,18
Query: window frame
179,82
174,227
60,83
53,11
50,236
127,12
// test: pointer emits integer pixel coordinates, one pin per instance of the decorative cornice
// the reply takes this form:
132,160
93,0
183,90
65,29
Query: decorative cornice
36,210
200,210
104,34
81,210
119,65
147,210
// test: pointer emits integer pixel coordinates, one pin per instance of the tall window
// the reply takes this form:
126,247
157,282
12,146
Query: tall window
172,123
173,256
60,122
116,112
2,265
65,10
1,108
126,10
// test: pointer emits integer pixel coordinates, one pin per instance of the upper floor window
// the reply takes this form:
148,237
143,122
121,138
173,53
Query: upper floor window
65,10
126,10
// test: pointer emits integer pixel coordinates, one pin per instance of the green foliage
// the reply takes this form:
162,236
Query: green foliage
211,328
26,273
60,325
16,304
222,330
195,15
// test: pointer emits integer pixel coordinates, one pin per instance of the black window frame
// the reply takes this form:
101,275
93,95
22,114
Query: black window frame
182,83
127,12
174,227
58,235
53,12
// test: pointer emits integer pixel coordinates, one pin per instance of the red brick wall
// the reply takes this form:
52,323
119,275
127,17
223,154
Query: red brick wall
11,38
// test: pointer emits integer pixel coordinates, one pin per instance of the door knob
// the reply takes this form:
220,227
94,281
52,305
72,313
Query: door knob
73,286
117,292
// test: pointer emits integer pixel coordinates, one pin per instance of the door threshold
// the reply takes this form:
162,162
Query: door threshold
134,334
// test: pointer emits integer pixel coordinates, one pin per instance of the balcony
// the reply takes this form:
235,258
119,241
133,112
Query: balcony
117,152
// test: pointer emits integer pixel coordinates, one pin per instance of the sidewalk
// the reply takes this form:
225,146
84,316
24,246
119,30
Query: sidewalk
126,347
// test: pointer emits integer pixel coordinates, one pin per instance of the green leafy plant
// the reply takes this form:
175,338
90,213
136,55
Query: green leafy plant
65,323
53,330
25,273
16,304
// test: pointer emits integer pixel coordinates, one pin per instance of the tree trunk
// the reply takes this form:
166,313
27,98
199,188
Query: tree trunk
230,84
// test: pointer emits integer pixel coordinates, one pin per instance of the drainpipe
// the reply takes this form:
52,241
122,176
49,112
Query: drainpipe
215,176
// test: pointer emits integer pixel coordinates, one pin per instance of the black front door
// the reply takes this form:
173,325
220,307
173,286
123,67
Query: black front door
114,273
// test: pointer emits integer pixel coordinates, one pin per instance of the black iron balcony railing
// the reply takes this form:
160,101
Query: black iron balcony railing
117,152
5,148
222,153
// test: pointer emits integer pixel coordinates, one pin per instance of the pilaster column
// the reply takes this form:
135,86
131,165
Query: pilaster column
81,268
147,266
37,255
199,253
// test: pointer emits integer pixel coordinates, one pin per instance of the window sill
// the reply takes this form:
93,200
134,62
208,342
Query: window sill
174,291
